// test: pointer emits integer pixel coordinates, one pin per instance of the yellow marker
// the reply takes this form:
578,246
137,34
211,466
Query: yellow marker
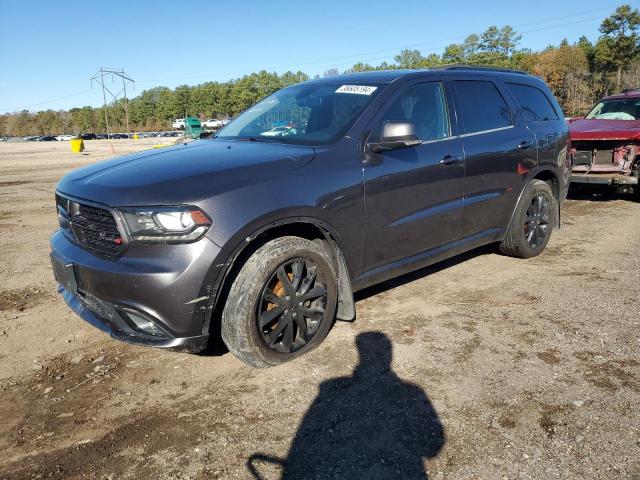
77,145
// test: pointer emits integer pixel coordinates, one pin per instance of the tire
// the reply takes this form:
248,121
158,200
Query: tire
265,288
531,227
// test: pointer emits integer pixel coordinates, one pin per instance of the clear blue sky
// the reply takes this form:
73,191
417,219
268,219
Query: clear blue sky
50,49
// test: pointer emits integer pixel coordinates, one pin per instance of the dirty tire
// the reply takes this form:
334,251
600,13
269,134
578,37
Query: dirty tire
515,244
240,327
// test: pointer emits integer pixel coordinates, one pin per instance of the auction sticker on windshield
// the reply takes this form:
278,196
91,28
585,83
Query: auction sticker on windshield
357,89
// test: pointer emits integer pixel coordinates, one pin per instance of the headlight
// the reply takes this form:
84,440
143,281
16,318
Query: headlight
165,224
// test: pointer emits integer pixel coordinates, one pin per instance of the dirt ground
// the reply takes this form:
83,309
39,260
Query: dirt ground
500,368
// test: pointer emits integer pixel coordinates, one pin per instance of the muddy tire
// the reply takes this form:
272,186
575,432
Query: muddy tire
282,303
532,222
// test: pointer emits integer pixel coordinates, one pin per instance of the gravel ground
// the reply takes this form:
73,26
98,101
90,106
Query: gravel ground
481,367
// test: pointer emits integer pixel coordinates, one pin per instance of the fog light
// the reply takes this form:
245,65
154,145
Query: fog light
144,324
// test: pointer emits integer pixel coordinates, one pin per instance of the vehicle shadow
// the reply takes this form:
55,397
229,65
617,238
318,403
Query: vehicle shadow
599,193
371,424
423,272
217,348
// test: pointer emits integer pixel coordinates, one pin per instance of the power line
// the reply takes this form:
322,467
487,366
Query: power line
396,49
77,94
325,64
439,47
363,60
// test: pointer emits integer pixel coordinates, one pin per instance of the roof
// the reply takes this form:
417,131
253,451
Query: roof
375,76
388,76
633,93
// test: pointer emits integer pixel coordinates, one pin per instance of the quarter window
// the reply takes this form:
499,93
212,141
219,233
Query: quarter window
425,106
482,106
535,104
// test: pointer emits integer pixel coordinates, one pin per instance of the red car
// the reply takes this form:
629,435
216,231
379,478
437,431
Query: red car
605,144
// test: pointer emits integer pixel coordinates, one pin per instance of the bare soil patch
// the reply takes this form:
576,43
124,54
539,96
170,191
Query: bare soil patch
525,369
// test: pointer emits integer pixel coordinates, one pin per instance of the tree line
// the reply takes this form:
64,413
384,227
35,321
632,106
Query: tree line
578,73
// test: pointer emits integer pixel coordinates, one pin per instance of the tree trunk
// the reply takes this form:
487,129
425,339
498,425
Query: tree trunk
619,80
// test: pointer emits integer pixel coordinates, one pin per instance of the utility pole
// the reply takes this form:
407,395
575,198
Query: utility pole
104,105
126,103
99,79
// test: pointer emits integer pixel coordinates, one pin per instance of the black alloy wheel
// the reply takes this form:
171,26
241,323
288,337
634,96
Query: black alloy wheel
538,220
533,221
292,305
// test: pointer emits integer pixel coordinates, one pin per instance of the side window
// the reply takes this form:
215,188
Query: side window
535,104
425,106
482,106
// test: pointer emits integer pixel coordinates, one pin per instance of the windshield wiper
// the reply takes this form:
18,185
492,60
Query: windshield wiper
248,139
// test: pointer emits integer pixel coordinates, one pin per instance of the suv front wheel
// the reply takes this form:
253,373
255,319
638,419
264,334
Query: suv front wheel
532,222
282,302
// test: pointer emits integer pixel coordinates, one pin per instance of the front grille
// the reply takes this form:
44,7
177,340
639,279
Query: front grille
93,227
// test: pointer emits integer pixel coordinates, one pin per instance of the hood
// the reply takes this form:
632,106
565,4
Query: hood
584,129
182,173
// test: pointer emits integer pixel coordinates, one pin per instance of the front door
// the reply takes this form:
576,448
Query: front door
414,196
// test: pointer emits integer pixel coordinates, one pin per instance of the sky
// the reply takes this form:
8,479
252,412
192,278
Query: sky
50,49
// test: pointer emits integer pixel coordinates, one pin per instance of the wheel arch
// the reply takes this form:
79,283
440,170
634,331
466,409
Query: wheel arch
552,178
305,227
548,175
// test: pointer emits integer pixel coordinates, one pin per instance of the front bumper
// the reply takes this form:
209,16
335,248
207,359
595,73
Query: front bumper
118,328
168,286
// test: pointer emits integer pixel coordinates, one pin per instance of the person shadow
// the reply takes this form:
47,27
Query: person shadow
371,424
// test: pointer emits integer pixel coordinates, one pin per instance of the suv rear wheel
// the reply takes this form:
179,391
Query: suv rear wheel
282,302
532,221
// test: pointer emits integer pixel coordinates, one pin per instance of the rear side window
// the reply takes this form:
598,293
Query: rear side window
535,105
482,106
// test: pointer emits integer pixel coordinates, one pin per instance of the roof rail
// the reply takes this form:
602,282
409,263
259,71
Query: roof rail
480,68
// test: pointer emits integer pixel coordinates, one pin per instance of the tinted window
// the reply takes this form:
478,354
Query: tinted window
535,104
482,106
425,106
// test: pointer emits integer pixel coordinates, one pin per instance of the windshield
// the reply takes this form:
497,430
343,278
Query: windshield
305,114
620,109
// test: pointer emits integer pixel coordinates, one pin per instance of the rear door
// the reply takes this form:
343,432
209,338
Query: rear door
541,116
414,196
499,151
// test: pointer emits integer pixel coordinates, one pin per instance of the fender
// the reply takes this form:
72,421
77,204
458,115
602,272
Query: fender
346,304
533,173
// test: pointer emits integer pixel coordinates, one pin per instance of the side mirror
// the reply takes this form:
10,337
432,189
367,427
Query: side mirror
395,136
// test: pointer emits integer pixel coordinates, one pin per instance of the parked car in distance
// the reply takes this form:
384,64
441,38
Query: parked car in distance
215,123
64,138
178,123
263,239
47,138
605,144
89,136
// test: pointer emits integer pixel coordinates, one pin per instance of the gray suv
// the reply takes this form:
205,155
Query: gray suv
262,234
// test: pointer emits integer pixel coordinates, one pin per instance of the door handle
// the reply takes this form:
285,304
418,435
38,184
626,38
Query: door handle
451,160
524,144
